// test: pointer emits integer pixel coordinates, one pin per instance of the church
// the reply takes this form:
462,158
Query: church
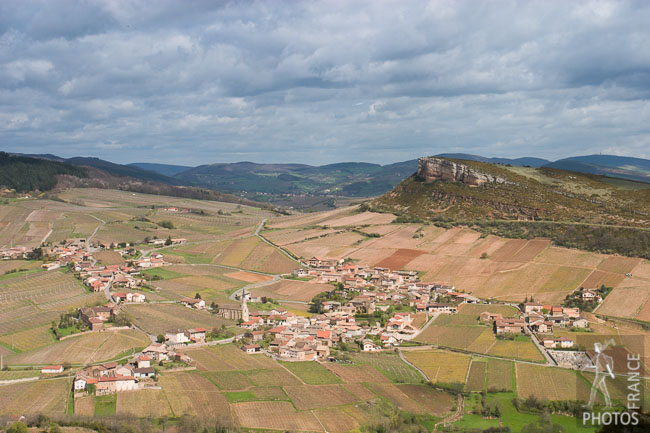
234,311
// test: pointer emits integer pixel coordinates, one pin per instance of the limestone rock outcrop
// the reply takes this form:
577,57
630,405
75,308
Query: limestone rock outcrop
431,169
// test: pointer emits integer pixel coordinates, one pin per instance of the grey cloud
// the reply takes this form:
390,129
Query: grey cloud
320,82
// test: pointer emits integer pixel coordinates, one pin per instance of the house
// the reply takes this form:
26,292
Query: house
143,361
388,340
112,384
101,313
369,346
580,323
51,266
157,352
558,320
144,373
176,336
81,382
486,316
196,335
52,369
435,307
530,307
540,325
299,352
198,304
130,297
571,313
510,326
258,335
562,342
252,348
590,296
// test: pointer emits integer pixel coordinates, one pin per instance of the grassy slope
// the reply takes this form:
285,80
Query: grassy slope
573,209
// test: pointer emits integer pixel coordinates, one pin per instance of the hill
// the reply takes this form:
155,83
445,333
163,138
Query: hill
47,173
123,170
525,161
164,169
576,210
609,165
354,179
30,174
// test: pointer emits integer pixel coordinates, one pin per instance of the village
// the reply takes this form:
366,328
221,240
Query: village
362,296
369,309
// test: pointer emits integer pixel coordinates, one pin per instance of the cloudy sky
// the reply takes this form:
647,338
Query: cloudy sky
196,82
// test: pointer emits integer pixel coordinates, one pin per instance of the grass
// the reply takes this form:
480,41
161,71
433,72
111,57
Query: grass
391,366
510,416
105,405
163,273
240,396
312,373
17,274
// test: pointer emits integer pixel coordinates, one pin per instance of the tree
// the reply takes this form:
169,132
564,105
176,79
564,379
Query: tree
167,224
168,241
316,306
18,427
35,254
91,388
54,428
160,338
197,295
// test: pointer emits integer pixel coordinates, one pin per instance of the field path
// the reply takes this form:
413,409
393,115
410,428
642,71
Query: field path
403,358
96,228
282,250
460,410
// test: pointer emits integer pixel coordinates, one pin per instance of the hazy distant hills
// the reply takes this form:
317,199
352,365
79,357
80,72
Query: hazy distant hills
263,182
526,161
608,165
164,169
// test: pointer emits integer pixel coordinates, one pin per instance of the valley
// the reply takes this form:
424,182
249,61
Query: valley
228,247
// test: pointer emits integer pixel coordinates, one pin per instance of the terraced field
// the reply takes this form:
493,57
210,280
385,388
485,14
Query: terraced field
158,318
549,383
84,349
439,366
48,397
488,267
34,299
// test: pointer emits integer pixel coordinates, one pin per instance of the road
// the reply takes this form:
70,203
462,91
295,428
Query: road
96,228
541,348
282,250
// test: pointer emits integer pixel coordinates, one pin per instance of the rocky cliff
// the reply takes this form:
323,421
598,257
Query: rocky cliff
431,169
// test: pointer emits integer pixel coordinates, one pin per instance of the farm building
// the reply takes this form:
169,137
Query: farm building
252,348
510,326
52,369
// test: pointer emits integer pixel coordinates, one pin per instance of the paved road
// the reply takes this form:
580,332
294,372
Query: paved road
541,348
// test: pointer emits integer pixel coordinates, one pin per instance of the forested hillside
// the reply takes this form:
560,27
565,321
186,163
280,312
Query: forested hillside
29,174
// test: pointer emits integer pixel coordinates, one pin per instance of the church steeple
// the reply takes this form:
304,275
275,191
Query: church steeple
244,307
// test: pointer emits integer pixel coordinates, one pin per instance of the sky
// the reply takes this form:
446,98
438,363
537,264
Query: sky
317,82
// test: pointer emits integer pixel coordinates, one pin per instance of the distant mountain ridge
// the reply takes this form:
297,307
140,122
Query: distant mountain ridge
525,161
266,182
608,165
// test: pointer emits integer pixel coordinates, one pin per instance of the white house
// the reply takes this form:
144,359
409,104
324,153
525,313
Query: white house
369,346
176,336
